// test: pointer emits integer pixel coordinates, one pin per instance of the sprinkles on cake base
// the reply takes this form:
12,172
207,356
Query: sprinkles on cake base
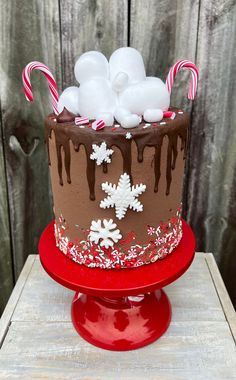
163,240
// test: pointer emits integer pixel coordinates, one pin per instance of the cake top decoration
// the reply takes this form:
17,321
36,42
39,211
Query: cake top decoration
117,89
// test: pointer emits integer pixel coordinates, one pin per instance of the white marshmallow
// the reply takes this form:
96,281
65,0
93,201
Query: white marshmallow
70,100
107,117
127,60
152,115
89,65
151,93
96,96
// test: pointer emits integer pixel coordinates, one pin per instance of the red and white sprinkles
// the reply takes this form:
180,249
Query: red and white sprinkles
128,252
50,79
81,120
97,125
175,69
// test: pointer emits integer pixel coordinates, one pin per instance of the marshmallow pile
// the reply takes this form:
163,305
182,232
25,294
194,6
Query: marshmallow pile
118,89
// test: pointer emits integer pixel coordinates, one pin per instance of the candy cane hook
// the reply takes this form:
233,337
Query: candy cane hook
50,79
175,69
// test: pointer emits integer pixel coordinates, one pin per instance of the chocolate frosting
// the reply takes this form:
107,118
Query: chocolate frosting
152,136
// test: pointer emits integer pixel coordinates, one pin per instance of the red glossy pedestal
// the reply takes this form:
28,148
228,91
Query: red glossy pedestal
120,309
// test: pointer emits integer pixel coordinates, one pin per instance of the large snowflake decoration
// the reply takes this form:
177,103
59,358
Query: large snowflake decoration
122,196
105,235
101,153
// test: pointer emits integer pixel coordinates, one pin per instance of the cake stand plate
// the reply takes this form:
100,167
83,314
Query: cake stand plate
118,309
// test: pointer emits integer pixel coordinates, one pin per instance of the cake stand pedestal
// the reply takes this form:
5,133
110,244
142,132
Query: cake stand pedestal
121,309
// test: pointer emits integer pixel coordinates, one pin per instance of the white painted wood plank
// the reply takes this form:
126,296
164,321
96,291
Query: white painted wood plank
36,373
12,302
45,345
193,297
222,293
47,350
43,299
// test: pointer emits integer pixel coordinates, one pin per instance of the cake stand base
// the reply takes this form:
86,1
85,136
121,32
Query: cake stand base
124,323
118,309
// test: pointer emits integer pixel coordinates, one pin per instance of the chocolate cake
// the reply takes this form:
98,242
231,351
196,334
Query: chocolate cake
116,154
153,154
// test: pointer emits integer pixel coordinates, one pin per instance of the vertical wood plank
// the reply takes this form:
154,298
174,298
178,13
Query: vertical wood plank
211,193
6,272
165,31
30,31
91,25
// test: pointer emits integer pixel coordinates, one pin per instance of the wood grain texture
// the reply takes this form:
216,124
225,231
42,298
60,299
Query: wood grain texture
226,303
30,31
91,25
6,317
6,268
55,349
44,345
187,304
210,193
164,32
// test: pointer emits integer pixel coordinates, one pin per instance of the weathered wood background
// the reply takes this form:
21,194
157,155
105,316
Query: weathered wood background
56,32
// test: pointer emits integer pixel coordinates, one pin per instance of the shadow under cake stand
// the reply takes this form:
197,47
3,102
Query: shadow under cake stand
118,309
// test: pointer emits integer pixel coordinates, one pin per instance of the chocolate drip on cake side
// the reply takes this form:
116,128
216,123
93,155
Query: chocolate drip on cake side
152,137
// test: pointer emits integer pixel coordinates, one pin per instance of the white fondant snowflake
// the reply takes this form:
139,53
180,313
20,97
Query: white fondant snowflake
122,196
128,136
106,233
101,153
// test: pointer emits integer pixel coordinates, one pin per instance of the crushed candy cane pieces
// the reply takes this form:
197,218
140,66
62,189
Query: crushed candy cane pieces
97,125
169,115
81,120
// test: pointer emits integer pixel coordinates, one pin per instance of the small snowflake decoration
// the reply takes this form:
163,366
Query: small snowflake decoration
101,153
128,136
103,232
122,196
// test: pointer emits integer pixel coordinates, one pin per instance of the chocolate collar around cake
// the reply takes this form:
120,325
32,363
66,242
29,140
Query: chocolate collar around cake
143,135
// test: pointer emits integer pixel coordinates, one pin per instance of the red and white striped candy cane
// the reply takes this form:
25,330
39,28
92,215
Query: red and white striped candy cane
174,70
50,79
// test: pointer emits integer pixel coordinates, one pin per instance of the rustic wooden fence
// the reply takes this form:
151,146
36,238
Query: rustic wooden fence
56,32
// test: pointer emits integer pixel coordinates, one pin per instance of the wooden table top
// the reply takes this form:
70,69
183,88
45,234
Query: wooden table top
38,340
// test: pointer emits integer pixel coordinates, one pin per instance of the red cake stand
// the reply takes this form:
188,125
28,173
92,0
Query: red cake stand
121,309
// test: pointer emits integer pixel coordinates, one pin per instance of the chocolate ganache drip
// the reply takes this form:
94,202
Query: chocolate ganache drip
65,131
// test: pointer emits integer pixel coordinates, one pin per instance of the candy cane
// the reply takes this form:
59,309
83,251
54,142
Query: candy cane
50,79
174,70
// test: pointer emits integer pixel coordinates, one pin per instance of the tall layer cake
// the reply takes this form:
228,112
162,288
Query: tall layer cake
117,155
124,212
